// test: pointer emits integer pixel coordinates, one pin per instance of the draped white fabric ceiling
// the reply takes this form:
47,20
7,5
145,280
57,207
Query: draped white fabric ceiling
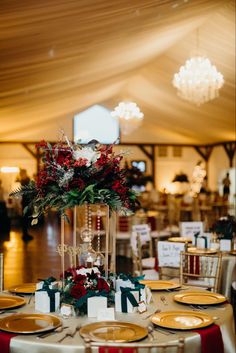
58,57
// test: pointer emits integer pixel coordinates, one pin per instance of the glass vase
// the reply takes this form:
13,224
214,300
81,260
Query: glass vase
90,240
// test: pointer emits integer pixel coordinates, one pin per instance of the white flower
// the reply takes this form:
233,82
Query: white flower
84,271
87,153
95,270
66,178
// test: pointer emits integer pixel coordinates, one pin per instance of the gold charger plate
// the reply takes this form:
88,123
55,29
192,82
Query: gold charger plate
10,302
160,285
29,323
180,240
202,251
182,320
113,331
199,298
25,288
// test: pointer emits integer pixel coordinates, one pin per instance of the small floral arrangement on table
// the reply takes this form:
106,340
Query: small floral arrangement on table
74,174
82,283
225,227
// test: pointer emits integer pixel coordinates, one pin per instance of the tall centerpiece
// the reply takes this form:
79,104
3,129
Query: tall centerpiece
89,180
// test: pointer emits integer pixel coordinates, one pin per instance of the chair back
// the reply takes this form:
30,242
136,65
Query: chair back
169,258
1,272
201,270
140,238
136,347
124,223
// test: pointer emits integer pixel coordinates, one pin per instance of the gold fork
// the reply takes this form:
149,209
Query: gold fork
155,312
69,333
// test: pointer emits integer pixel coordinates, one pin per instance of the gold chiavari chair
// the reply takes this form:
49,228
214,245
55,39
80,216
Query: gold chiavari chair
144,266
1,272
151,347
201,270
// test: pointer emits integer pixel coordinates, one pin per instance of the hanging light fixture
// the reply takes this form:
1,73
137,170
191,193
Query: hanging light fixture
129,115
198,81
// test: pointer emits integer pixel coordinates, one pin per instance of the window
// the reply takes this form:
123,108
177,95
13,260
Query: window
162,151
177,151
96,123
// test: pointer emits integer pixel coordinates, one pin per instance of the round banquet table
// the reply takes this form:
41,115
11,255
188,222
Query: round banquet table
223,312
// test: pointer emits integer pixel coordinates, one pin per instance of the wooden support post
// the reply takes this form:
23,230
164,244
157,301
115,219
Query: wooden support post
230,149
151,156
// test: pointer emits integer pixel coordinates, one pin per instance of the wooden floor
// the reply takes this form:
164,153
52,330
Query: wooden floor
28,261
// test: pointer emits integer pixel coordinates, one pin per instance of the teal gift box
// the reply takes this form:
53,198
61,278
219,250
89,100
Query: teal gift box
47,298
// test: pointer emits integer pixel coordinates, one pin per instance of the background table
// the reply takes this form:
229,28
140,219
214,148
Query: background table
228,275
29,343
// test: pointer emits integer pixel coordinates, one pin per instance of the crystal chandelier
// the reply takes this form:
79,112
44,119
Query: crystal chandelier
198,81
129,115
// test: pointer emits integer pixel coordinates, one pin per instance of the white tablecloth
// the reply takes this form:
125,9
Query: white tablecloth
228,274
224,313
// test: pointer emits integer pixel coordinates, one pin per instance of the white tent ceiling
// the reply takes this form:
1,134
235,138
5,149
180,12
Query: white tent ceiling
58,57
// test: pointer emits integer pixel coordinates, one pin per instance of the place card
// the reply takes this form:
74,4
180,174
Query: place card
146,295
106,314
169,253
95,304
188,229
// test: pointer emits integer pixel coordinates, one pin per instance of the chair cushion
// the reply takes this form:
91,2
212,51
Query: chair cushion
196,283
149,274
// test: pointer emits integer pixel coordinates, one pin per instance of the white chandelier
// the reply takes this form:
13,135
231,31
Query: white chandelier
129,115
198,81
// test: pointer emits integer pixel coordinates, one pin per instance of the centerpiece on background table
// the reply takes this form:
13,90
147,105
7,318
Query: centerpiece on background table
225,230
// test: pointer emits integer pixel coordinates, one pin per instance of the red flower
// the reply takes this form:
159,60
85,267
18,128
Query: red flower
102,160
77,183
116,185
42,144
78,291
43,179
81,162
62,157
102,285
71,272
79,279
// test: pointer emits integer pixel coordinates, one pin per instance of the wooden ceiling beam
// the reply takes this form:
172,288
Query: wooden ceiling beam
204,151
132,143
